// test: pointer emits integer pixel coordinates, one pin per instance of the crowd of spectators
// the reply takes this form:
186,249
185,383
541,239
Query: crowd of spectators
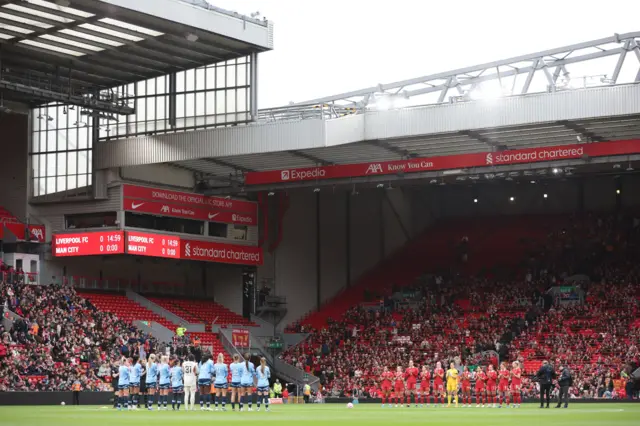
58,338
460,318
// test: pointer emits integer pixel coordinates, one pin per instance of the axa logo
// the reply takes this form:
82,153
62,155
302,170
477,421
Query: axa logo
187,250
374,168
489,158
285,175
135,206
37,233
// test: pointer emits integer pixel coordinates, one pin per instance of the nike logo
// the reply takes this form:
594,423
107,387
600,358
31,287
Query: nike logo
211,216
135,206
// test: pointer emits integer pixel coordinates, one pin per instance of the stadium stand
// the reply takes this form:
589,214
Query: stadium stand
492,297
201,311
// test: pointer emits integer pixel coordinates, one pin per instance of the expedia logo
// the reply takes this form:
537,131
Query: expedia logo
187,250
489,158
241,219
374,168
285,175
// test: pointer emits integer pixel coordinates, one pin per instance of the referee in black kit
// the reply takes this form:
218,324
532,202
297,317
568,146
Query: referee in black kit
545,378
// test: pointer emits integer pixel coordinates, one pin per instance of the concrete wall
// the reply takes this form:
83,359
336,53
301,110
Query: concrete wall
14,170
371,227
159,174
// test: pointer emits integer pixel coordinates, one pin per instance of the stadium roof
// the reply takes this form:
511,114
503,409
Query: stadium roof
65,50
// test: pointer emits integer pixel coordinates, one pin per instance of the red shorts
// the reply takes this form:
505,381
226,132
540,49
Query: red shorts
491,387
480,386
399,387
515,385
425,388
411,385
503,386
386,387
438,386
466,387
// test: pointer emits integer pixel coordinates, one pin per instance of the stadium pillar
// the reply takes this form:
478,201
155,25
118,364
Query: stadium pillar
253,87
318,265
381,225
347,238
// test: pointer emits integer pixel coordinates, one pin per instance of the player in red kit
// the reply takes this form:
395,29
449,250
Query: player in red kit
398,386
438,383
425,385
466,386
516,384
481,387
492,378
385,379
503,384
411,375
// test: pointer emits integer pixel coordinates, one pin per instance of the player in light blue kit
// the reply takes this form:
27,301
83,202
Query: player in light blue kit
264,374
164,383
246,382
152,380
177,386
236,368
123,384
135,373
220,384
204,381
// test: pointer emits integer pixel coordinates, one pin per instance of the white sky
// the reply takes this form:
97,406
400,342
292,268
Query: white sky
332,46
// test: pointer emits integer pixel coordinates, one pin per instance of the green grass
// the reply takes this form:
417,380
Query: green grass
330,414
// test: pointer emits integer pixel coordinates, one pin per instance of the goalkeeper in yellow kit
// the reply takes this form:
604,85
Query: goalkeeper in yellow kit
452,384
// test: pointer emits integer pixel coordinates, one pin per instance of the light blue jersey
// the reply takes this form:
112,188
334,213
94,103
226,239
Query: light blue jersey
248,374
165,374
123,376
176,377
263,376
152,373
205,370
236,372
136,372
221,371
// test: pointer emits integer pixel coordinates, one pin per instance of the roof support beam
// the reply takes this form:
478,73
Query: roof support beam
224,163
398,151
310,157
590,136
480,138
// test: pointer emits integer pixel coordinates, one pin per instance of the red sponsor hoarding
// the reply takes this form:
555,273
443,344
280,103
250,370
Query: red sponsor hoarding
156,245
88,243
189,199
240,338
220,252
414,165
188,212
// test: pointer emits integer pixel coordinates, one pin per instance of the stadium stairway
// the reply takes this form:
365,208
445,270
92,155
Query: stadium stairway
493,241
130,310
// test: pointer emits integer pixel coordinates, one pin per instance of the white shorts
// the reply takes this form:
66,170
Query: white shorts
192,386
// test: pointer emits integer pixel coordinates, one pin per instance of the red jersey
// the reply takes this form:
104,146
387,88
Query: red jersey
425,376
481,377
399,377
516,374
492,376
411,374
438,375
466,377
504,375
387,376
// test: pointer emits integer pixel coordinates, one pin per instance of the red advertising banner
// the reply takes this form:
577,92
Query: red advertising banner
88,243
156,245
189,199
220,252
37,233
240,338
188,212
414,165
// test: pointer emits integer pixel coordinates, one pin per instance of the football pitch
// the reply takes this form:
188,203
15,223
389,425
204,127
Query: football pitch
329,414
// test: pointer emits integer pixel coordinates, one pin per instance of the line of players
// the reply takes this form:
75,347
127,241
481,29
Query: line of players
164,375
492,388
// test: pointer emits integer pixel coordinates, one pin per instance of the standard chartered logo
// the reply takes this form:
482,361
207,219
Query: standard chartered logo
489,158
187,250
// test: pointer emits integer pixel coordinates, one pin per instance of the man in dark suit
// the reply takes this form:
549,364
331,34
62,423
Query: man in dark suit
545,377
565,381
